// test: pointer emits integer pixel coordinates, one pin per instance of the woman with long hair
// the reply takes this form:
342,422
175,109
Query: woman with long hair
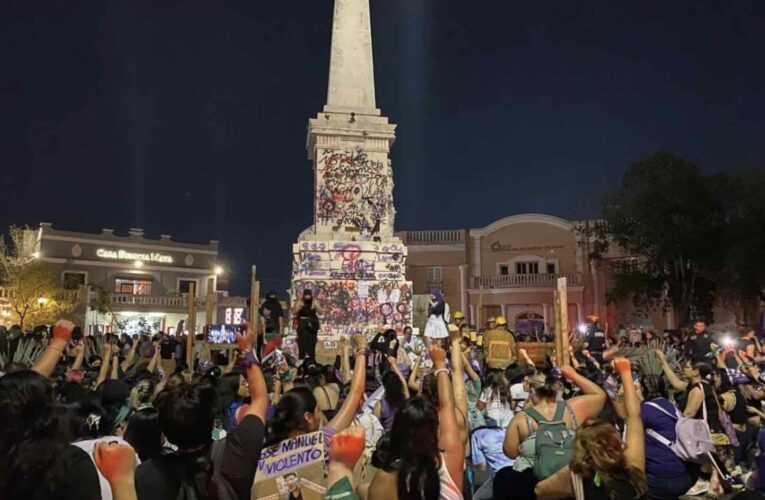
35,461
230,391
667,476
144,433
495,400
298,412
698,400
326,390
396,394
520,439
602,466
423,456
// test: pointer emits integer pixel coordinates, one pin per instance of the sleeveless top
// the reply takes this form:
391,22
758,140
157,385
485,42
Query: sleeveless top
713,417
738,415
449,490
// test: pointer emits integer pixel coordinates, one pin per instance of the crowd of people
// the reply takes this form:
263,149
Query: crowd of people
399,416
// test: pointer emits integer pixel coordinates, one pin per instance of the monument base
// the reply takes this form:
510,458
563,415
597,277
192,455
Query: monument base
358,285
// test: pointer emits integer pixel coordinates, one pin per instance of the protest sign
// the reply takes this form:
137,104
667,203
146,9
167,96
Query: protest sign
293,468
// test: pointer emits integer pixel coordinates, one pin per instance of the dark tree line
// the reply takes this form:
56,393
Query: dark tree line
676,237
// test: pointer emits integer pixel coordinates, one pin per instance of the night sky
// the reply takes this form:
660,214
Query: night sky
189,117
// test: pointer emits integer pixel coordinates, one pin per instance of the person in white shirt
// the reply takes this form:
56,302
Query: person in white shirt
495,401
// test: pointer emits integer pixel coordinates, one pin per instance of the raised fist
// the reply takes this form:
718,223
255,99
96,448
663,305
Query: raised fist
622,366
568,372
115,461
62,330
347,446
359,342
438,356
243,341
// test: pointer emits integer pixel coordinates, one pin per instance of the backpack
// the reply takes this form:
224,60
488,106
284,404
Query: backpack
693,439
553,442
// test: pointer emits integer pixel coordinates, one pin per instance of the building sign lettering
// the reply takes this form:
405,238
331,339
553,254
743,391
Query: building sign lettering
499,247
125,255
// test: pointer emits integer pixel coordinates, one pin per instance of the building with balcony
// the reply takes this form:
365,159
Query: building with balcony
510,267
133,283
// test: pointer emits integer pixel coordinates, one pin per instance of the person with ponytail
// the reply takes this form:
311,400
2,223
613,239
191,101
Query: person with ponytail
396,394
298,412
422,457
602,466
201,469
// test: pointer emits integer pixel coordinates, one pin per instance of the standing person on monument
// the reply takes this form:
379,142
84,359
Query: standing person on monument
271,321
306,312
499,349
438,317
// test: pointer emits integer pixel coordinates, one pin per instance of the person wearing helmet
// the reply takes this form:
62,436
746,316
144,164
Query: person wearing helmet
595,339
459,322
499,347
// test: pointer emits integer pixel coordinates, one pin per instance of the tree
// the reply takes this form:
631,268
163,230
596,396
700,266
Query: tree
667,223
35,294
743,275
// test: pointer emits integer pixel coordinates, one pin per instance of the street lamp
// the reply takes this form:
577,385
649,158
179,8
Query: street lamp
42,301
218,270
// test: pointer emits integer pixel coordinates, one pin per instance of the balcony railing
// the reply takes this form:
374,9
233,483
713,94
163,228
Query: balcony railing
444,237
127,299
525,280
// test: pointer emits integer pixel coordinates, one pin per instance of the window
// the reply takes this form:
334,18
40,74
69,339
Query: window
527,268
183,286
435,275
551,268
504,270
72,280
134,287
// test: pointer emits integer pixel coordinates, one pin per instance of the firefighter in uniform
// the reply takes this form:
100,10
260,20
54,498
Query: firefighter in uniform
499,349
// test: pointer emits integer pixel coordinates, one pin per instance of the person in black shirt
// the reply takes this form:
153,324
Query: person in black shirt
595,338
307,317
35,460
271,320
700,345
186,417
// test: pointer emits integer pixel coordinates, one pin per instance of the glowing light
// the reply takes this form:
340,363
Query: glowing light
218,270
138,263
36,255
582,328
42,301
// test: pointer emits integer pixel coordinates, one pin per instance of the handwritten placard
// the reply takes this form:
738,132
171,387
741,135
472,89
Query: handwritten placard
293,468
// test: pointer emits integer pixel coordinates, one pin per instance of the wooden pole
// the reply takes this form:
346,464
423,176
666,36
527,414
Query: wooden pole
254,300
192,326
210,303
561,322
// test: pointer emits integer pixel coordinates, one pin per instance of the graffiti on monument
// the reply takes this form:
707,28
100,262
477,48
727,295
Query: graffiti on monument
351,306
354,190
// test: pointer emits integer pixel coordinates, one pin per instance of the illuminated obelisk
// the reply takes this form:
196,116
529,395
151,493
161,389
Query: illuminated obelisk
349,256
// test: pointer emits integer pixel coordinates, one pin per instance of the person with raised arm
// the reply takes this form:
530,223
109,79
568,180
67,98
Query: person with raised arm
298,413
520,439
602,466
243,444
423,457
62,334
117,463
